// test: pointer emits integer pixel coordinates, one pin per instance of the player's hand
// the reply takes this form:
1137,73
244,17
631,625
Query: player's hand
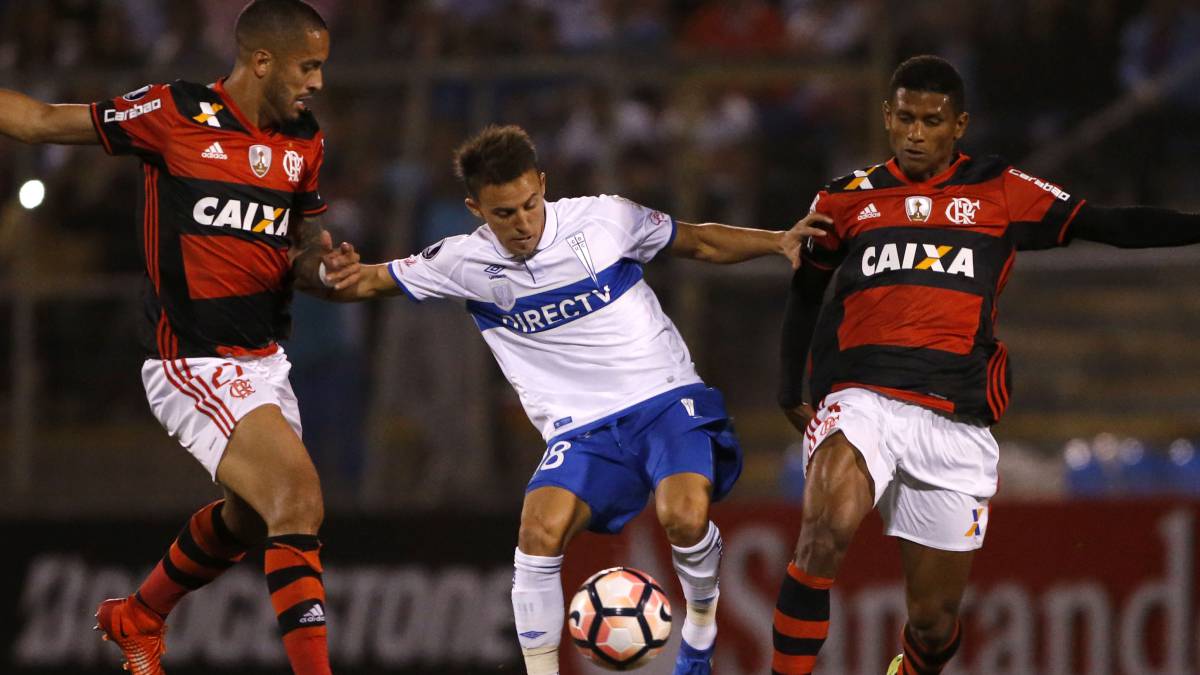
794,238
800,416
342,268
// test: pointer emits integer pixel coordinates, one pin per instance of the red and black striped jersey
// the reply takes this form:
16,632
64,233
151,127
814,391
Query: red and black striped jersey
920,267
220,201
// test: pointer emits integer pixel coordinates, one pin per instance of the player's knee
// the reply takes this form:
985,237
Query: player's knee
298,507
542,535
932,620
685,521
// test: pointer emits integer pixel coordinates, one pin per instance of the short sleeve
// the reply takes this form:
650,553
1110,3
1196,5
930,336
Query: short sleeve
1039,212
428,274
308,199
137,123
824,253
647,231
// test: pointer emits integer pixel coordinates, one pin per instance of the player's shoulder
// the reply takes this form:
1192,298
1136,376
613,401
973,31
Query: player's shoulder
978,170
456,247
874,177
602,207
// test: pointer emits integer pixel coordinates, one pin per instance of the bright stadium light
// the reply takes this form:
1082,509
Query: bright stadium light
32,193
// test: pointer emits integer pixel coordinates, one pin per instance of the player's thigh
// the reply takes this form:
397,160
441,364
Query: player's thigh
600,471
550,517
837,496
267,465
838,489
934,582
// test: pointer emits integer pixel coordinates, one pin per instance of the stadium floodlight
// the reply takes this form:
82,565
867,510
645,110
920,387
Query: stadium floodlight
32,193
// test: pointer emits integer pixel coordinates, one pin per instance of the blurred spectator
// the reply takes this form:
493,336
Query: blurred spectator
734,28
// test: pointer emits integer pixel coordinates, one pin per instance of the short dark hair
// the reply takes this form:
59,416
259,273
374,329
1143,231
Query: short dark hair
495,156
272,23
930,73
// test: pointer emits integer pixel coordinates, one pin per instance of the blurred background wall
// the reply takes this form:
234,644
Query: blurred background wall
726,110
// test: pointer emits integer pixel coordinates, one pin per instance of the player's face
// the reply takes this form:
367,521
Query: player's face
923,127
295,75
516,211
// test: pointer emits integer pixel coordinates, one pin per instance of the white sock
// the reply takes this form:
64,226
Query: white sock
538,609
697,567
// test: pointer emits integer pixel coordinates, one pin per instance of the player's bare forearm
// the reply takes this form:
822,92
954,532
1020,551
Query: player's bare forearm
725,244
31,121
375,281
317,267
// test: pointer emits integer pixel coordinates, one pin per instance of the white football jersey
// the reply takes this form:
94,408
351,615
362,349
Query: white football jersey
574,327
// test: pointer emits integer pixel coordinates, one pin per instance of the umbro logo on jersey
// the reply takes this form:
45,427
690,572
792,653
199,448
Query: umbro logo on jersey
214,151
314,615
208,114
238,215
869,211
891,257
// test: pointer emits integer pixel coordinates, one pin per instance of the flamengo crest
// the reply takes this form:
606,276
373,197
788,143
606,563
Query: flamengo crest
962,210
260,160
293,165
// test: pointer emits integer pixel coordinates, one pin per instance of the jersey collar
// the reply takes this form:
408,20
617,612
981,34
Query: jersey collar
549,234
219,87
894,167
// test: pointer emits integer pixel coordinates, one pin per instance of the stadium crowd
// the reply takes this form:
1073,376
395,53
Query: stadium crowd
748,151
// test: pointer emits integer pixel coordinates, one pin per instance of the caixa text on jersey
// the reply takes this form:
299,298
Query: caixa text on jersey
239,215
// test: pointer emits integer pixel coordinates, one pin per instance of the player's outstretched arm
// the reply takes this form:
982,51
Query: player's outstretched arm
1135,226
799,322
31,121
725,244
374,281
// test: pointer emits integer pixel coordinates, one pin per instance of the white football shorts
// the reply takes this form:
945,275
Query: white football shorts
199,401
933,475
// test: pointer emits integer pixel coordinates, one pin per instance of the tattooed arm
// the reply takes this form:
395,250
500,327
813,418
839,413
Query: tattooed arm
312,248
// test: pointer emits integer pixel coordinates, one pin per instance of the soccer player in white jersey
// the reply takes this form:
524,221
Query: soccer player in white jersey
556,289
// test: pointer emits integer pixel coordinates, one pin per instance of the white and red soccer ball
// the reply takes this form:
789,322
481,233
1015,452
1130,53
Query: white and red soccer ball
620,618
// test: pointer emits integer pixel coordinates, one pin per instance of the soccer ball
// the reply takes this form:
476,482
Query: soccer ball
620,618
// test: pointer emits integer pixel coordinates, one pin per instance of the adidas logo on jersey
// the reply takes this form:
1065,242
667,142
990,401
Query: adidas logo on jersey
214,151
314,615
891,257
868,212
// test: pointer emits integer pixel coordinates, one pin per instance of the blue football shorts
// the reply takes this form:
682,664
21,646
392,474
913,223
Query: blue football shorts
615,463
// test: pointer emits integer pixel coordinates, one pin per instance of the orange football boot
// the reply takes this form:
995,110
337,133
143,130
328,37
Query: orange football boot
137,630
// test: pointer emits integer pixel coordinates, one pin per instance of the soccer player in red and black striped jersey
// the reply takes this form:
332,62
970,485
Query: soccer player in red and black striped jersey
229,222
904,362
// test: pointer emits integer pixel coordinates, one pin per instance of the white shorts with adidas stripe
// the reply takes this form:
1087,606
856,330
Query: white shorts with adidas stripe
199,401
933,475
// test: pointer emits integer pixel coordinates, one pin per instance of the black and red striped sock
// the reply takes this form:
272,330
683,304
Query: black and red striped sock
293,567
920,660
801,622
204,549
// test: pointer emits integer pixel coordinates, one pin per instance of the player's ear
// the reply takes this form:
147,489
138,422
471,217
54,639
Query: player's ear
887,114
473,207
542,182
960,125
261,61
